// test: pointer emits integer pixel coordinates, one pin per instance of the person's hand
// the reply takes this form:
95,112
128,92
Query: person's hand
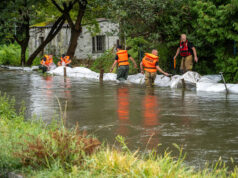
135,66
196,59
142,71
111,69
166,74
174,57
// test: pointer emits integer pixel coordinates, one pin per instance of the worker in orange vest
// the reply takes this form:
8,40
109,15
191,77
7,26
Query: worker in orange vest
46,61
150,64
123,63
65,61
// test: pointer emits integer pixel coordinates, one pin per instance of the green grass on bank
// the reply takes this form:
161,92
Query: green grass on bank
10,54
38,150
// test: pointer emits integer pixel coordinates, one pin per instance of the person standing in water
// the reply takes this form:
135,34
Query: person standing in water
121,59
186,49
150,64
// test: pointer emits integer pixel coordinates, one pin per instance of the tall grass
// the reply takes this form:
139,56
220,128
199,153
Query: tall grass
38,150
10,54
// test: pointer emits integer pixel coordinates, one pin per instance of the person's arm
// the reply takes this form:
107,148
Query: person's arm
113,65
177,53
141,68
135,65
44,64
161,71
195,54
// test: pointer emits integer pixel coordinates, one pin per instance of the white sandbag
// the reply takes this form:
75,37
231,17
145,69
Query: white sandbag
206,83
52,66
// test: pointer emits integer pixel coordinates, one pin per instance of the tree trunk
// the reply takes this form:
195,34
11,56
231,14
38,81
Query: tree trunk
23,55
76,28
73,42
53,32
25,30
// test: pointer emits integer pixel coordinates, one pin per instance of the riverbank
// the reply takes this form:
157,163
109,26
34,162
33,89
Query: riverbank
34,149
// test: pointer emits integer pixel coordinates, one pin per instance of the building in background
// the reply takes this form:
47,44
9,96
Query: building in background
89,46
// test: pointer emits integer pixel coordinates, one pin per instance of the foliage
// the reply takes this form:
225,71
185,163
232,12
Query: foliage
10,54
10,121
65,147
211,26
230,67
104,62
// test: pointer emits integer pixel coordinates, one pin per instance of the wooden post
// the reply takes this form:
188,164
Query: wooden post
65,74
183,84
101,75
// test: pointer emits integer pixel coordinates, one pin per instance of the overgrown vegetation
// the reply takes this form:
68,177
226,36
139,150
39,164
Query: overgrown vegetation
10,54
34,149
104,62
210,25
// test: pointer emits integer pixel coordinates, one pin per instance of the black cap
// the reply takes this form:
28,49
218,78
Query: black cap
63,55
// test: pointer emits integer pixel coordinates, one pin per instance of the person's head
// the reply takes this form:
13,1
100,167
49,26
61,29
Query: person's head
119,47
63,55
155,52
183,38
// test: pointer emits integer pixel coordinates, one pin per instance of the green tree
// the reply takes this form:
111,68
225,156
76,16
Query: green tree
83,11
212,25
15,19
216,30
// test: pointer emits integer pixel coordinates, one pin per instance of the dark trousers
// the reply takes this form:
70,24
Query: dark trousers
43,68
122,72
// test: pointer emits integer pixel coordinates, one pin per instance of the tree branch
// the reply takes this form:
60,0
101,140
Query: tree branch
57,6
17,40
81,11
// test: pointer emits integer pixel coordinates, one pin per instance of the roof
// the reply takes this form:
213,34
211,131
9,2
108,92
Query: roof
66,25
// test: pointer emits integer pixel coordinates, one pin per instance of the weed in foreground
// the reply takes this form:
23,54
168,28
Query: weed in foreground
65,147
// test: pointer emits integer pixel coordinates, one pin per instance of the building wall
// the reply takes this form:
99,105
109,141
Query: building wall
59,44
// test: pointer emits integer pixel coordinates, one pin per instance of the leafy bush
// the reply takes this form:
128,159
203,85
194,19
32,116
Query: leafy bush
10,54
135,45
63,146
104,62
230,68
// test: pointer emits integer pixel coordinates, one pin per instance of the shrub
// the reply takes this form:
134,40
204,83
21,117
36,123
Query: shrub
10,54
104,62
66,147
230,68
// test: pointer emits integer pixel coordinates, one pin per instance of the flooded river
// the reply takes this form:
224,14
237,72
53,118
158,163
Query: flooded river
205,124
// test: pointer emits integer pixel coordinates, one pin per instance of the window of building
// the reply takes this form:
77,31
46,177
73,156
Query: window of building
98,44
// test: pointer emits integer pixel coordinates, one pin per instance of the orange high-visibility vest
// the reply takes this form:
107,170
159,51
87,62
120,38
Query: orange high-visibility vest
66,59
149,62
48,60
122,58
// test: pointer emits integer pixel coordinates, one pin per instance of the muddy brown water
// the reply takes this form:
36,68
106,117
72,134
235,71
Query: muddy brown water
205,124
